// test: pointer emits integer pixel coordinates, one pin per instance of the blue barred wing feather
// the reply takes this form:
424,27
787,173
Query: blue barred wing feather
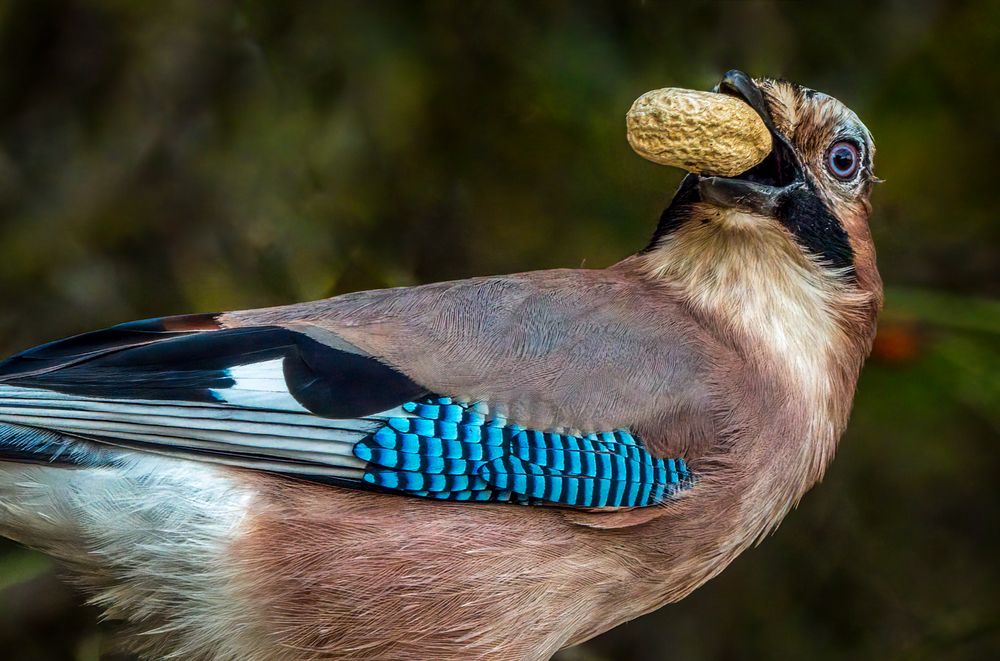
453,451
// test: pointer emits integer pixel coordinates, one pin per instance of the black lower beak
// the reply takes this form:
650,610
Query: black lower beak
740,194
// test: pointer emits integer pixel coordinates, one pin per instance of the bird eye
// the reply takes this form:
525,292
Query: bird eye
843,160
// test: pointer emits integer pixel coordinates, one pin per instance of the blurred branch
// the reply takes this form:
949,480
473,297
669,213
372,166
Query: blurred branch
945,310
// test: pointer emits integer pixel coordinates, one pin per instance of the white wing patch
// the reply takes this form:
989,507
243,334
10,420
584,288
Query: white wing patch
259,385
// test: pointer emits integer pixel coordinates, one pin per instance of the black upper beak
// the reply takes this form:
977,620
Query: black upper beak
738,84
762,189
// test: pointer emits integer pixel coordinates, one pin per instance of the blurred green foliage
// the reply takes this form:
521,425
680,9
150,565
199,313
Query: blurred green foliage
161,158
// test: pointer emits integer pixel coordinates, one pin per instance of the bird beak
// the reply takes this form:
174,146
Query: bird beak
732,193
762,189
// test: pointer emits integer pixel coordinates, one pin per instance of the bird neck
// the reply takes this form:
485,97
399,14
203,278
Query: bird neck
746,279
801,333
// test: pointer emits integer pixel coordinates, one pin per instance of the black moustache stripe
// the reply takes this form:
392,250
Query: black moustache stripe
816,228
677,212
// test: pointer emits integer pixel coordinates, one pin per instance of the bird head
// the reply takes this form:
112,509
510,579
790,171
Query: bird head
809,198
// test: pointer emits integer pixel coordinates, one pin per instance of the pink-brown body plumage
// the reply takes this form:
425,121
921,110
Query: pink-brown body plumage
732,341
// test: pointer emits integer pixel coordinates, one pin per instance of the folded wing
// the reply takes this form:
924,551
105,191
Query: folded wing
274,399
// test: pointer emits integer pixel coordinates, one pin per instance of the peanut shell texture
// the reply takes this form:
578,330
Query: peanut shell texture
701,132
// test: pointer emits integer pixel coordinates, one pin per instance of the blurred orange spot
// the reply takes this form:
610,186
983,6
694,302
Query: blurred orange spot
896,344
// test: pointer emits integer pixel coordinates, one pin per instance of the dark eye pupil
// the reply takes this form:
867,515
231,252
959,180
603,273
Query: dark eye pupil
843,160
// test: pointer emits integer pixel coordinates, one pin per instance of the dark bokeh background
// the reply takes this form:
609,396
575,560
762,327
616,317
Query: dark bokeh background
204,156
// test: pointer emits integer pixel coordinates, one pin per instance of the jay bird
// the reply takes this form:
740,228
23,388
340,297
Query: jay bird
339,479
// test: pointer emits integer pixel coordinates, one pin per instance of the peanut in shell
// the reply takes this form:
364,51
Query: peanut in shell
702,132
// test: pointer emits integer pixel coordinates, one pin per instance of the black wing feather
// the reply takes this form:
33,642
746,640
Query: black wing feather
143,360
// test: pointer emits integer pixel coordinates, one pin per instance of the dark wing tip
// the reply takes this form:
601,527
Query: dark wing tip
86,346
